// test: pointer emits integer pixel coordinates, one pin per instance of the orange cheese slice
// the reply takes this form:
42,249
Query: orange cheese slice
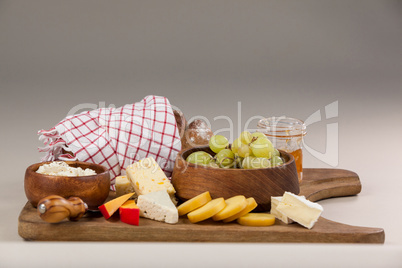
251,204
207,211
257,219
113,205
234,205
194,203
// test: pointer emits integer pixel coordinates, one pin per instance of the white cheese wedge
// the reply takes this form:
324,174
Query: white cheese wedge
146,176
275,200
158,206
123,186
299,209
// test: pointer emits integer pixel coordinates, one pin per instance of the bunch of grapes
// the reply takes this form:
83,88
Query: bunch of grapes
249,151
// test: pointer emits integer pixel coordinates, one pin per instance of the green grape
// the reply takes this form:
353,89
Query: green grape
244,150
245,137
276,161
235,145
218,143
238,161
199,158
276,153
225,157
246,164
261,162
257,135
262,147
229,166
213,164
256,162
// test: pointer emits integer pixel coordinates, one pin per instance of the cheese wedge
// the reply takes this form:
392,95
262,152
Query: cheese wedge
207,211
275,200
123,186
158,206
233,206
251,204
194,203
299,209
129,213
113,205
257,219
146,176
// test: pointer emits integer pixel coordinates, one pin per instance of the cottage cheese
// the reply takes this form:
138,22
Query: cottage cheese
59,168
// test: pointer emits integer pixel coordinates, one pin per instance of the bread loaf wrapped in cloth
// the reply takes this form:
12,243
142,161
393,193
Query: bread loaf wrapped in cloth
117,137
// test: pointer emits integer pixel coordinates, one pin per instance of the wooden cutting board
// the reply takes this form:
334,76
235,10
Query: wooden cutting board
317,184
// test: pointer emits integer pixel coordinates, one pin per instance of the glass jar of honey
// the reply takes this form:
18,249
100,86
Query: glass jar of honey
286,134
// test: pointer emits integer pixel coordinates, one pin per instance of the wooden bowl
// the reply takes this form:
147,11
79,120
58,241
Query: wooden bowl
93,189
191,180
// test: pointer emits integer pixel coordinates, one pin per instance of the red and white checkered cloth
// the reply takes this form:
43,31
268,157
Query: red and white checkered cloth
117,137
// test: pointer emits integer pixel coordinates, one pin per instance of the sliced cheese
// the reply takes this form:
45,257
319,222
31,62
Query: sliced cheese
129,213
275,200
158,206
299,209
233,206
194,203
257,219
146,176
207,211
113,205
251,204
123,186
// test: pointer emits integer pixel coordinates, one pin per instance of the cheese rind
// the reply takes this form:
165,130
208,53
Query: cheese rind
158,206
194,203
275,200
251,204
207,211
123,186
234,205
146,176
299,209
129,213
109,208
257,219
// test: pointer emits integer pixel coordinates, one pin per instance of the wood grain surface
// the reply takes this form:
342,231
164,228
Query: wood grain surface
317,184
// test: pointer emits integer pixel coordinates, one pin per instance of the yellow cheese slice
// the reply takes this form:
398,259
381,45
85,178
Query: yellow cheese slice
234,205
257,219
123,186
251,204
146,176
194,203
207,211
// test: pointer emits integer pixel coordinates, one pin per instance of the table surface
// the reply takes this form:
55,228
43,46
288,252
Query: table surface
376,206
337,62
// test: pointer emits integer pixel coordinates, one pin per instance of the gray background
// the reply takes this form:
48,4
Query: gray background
275,57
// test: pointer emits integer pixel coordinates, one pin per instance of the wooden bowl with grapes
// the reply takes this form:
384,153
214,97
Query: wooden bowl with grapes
191,179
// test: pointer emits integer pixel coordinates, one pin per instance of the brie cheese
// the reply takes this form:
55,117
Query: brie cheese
275,200
299,209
